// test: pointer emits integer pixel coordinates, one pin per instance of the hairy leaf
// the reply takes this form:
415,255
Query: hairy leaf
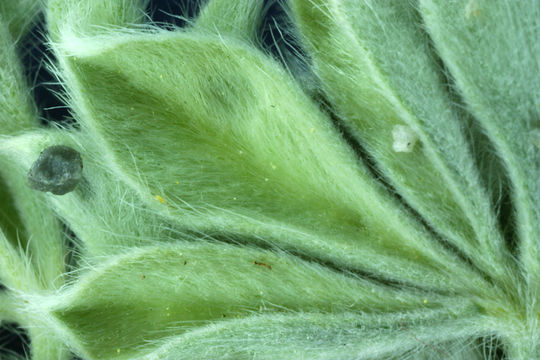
379,72
241,162
153,293
328,336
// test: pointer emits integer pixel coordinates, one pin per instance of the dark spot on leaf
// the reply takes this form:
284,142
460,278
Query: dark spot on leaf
269,267
58,170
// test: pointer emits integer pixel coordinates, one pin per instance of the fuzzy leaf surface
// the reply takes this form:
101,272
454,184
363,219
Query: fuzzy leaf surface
152,293
329,336
241,163
366,54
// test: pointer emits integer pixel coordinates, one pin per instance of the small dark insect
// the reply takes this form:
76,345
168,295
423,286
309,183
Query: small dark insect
58,170
269,267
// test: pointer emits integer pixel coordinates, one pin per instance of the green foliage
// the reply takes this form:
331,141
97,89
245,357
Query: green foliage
136,294
225,209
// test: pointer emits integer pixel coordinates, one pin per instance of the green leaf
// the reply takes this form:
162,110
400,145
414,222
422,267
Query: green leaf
19,16
47,346
17,112
329,336
10,221
492,53
195,134
9,311
15,272
33,227
381,76
29,225
68,18
39,234
259,160
150,294
240,19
